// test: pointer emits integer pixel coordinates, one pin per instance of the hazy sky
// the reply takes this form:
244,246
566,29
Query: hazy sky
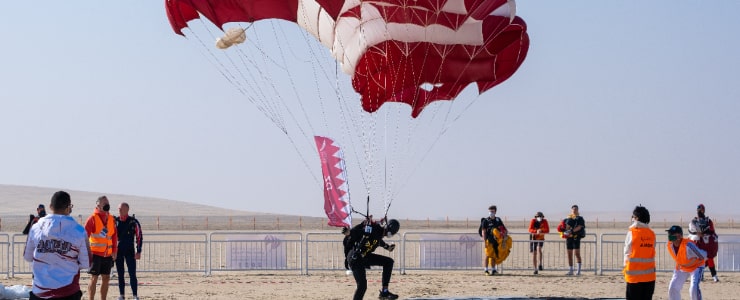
617,103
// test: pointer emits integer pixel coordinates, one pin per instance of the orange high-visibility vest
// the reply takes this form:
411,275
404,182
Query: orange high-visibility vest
684,263
101,241
640,265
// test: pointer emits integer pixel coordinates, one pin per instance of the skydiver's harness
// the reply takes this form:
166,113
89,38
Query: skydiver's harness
358,251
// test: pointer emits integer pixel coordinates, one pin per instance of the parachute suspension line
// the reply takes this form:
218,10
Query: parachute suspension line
231,78
254,86
353,120
271,108
309,138
346,114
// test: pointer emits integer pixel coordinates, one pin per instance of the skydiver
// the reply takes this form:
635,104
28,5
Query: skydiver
359,244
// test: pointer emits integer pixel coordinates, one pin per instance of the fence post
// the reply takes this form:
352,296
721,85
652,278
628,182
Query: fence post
182,223
278,223
157,222
229,222
206,223
254,223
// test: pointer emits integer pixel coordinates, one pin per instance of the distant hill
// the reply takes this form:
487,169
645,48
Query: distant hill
23,200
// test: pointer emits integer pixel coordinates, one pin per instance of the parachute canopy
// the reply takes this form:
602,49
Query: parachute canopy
413,52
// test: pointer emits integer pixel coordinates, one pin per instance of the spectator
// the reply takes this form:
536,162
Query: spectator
689,263
538,227
129,249
701,231
40,213
485,230
101,231
58,249
573,229
639,257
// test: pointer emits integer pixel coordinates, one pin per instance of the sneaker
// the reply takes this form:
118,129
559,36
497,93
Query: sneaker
121,298
716,279
578,273
535,272
487,273
493,272
387,295
570,273
541,268
136,297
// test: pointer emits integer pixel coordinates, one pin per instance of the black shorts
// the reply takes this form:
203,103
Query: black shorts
101,265
533,245
572,244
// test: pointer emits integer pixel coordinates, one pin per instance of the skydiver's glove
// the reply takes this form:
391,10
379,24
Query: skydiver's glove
345,230
390,247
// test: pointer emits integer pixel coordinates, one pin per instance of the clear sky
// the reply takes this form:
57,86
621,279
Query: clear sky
618,103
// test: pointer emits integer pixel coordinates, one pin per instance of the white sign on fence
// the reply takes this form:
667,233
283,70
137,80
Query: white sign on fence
264,251
437,251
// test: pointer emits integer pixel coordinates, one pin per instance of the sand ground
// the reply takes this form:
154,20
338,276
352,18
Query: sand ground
422,284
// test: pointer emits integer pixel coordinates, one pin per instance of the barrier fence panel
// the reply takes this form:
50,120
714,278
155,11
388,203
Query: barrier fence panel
612,253
248,250
174,252
18,265
464,251
440,251
554,253
324,251
728,254
285,251
6,263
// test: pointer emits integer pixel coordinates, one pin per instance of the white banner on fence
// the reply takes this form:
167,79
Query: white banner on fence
437,251
266,251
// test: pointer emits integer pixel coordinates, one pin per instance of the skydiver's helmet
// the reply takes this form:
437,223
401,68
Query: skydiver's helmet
392,227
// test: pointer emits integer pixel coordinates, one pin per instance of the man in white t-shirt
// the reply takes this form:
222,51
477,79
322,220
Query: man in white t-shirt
57,246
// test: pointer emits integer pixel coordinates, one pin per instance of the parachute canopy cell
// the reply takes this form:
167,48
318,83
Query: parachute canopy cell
413,52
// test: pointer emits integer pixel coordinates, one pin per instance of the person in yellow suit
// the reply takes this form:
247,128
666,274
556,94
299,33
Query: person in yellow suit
496,240
689,263
639,257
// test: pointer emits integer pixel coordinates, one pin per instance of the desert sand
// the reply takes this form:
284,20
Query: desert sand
336,284
413,285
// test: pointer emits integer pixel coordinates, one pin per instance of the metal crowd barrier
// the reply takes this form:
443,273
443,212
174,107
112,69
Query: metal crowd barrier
612,253
249,250
219,251
464,251
325,252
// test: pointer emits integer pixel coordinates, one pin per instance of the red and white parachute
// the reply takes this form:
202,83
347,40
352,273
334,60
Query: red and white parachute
392,51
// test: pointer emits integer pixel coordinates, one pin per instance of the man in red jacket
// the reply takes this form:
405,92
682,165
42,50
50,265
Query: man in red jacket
101,233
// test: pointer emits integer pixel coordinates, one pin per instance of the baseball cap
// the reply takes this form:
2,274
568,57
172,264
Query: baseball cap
701,206
41,206
675,229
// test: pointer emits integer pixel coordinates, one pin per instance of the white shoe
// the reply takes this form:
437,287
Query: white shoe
578,273
121,298
570,273
716,279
